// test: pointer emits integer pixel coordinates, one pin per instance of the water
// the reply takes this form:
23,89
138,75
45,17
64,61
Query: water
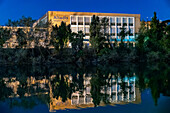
123,88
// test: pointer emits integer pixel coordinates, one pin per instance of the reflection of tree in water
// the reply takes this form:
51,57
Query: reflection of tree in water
101,81
61,87
154,77
158,80
5,92
96,83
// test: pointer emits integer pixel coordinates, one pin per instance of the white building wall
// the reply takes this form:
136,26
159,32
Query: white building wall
86,38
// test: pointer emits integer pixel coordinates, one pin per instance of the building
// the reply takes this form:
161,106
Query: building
80,21
12,42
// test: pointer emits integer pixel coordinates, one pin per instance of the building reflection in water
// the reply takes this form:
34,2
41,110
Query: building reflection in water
117,90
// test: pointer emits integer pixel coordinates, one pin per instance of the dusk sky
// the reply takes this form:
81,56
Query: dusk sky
15,9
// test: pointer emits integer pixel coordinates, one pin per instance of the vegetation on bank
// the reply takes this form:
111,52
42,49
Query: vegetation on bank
152,44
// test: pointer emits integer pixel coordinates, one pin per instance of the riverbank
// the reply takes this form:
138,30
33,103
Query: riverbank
39,56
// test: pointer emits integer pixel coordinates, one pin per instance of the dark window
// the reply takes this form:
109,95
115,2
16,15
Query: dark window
130,44
113,34
80,23
131,34
124,24
87,23
113,24
87,34
86,40
73,23
118,24
131,24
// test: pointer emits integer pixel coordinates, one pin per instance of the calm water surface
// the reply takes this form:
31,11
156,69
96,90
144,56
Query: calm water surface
123,88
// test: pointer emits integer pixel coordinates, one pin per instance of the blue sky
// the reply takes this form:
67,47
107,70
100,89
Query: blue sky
14,9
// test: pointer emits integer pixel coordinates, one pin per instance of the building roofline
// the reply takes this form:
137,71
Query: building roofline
92,12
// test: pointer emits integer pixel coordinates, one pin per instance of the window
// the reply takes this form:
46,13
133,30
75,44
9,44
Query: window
73,29
80,28
87,20
107,31
118,31
100,18
112,21
112,38
80,20
130,21
87,31
118,21
112,31
131,31
73,20
124,21
85,39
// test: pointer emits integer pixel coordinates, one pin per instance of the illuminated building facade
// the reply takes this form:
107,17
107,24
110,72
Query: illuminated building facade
80,21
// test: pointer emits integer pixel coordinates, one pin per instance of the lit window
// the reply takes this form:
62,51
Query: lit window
107,30
118,21
131,31
73,20
112,21
87,20
73,29
80,20
124,21
100,18
130,21
87,30
118,31
112,30
80,29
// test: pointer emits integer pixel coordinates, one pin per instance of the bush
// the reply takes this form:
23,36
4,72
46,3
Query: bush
153,56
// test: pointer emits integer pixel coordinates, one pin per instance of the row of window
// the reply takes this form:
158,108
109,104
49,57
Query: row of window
112,30
112,39
113,21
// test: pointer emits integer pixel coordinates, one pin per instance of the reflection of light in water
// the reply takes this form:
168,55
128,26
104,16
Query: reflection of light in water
82,98
114,91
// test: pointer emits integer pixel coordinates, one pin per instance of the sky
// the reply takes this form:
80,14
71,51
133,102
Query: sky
15,9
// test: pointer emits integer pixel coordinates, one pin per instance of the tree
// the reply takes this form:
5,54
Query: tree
21,38
166,39
77,41
54,37
5,34
153,42
96,89
123,33
4,90
142,37
60,36
155,34
105,30
96,39
122,50
24,21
